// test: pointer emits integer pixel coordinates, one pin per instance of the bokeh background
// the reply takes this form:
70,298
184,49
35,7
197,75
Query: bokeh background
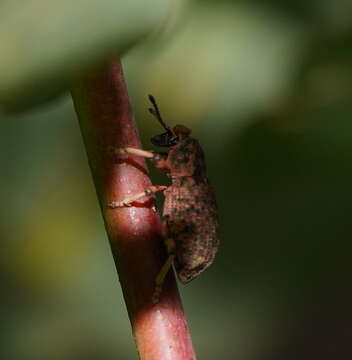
266,88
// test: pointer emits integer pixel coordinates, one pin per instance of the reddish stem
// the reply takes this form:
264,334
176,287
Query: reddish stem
106,120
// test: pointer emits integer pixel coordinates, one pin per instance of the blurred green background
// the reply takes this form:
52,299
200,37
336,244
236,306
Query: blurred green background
266,88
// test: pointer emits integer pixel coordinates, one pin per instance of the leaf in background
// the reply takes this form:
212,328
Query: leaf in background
44,42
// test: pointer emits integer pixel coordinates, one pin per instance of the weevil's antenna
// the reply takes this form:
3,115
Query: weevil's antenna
155,111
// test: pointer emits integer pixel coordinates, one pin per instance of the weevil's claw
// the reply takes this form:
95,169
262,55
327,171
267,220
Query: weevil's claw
156,188
121,204
112,205
120,151
111,150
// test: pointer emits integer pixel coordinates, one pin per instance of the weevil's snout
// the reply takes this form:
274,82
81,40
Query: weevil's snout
166,139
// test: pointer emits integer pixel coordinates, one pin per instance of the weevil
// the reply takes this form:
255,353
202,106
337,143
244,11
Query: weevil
190,214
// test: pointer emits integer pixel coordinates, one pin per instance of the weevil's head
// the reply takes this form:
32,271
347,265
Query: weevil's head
166,139
170,137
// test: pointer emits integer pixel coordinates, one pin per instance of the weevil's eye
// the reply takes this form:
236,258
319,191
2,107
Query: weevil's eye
166,139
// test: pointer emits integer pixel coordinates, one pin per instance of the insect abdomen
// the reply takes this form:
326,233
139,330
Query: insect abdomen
191,214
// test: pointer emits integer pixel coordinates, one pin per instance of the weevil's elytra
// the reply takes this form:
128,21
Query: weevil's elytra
190,211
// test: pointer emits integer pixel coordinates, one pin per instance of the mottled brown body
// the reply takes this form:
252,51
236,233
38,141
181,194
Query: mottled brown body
190,209
190,212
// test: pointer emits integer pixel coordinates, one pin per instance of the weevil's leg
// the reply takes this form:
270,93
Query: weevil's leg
134,151
160,278
127,201
158,159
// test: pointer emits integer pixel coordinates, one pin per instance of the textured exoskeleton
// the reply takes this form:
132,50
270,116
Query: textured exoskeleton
190,211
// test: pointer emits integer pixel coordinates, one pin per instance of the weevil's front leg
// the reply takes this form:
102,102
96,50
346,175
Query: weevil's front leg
134,151
159,160
160,278
127,201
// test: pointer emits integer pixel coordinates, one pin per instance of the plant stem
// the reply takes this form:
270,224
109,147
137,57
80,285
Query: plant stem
106,121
